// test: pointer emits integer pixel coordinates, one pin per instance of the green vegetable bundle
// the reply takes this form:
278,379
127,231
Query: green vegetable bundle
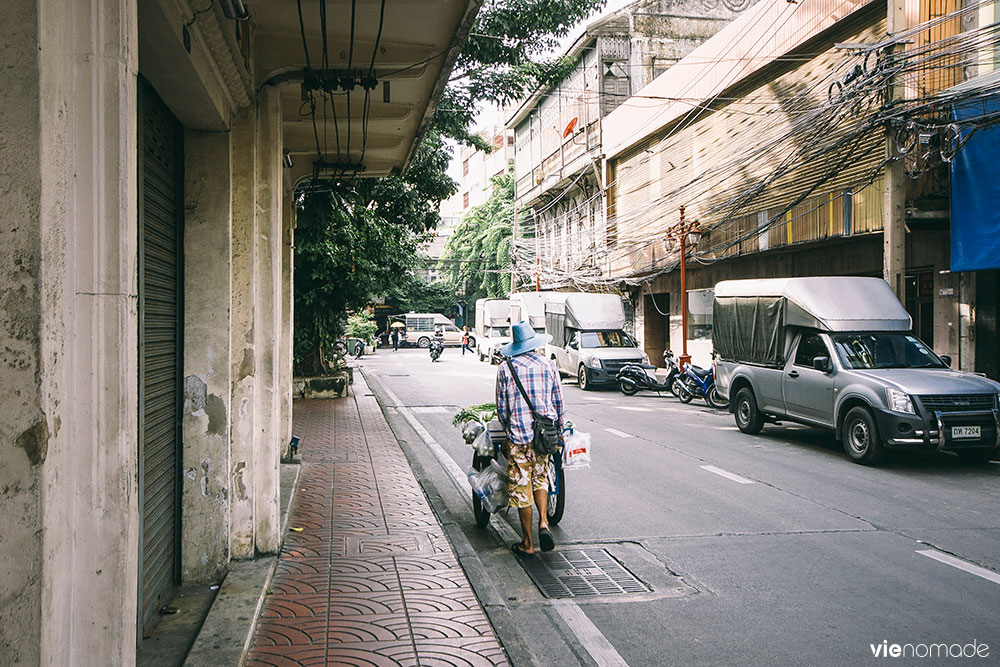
483,412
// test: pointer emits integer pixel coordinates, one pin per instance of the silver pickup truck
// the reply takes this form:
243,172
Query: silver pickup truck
836,353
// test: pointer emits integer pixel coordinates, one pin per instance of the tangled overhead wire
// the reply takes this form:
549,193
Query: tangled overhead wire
899,89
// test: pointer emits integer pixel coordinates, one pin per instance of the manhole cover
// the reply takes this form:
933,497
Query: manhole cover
572,573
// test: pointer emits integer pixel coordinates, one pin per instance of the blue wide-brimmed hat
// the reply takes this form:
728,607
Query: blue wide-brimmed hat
525,339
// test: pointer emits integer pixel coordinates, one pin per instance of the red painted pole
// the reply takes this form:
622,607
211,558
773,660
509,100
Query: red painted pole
685,359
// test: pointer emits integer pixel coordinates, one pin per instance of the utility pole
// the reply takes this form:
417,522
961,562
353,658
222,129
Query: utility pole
513,245
894,186
684,232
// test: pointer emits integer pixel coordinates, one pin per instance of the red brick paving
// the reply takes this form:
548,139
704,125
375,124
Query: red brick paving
370,579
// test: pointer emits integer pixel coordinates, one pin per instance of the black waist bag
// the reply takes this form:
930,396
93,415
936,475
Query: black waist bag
546,433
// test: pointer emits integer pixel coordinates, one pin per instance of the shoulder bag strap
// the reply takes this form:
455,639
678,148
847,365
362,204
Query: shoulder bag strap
520,386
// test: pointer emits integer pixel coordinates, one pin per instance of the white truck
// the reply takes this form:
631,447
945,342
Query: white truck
837,353
529,307
588,340
492,326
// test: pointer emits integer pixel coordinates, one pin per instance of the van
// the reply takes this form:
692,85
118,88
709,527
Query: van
837,353
420,329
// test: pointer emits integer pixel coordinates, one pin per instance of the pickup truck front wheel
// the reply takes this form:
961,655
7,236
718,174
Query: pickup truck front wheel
749,419
861,439
583,378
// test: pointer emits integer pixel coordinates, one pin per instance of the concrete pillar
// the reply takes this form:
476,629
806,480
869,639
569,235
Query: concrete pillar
207,371
287,316
267,320
894,221
967,322
243,338
68,333
894,182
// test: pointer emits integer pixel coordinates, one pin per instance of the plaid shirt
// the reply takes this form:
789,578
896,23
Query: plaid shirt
541,382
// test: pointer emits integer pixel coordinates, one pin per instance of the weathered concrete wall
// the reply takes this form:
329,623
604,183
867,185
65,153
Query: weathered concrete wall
267,320
207,372
24,430
242,346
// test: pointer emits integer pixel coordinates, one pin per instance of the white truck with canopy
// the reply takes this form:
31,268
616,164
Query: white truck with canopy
837,353
529,307
492,326
588,337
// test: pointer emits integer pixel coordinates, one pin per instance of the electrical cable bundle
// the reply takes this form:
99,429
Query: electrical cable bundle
811,138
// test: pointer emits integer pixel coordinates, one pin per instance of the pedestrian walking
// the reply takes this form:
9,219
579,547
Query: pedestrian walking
394,336
526,468
465,340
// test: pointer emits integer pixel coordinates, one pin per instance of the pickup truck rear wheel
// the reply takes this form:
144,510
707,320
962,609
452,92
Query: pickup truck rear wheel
861,439
749,418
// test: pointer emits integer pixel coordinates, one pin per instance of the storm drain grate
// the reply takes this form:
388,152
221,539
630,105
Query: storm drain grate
572,573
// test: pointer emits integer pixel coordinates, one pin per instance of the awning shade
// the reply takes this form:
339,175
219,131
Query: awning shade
975,190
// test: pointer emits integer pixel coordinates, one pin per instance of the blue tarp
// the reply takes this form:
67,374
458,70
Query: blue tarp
975,191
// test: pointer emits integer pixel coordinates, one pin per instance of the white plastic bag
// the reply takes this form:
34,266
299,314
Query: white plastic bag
576,450
490,485
483,444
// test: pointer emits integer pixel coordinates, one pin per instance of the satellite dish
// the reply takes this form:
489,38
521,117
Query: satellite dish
570,127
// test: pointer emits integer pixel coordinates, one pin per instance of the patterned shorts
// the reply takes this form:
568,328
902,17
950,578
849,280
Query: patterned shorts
527,472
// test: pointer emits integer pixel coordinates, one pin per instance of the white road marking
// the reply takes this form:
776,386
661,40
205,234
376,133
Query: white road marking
427,409
614,431
634,408
960,564
596,644
727,474
589,636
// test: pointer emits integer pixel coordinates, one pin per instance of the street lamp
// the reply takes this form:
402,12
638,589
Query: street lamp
686,233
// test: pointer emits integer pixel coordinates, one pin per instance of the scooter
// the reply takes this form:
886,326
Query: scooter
695,381
436,348
634,377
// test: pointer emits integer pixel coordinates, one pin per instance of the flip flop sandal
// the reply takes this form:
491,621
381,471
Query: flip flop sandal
545,540
520,552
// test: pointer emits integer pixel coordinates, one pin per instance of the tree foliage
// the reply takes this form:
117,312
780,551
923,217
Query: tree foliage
358,239
477,257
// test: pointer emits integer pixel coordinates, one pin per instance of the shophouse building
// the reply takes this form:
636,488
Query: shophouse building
559,132
826,138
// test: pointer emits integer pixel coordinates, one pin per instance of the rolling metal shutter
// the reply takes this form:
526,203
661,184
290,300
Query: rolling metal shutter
160,317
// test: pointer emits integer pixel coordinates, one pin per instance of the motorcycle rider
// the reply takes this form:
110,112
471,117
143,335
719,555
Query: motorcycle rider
437,343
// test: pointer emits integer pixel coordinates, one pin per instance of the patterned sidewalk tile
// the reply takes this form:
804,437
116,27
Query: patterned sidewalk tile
366,575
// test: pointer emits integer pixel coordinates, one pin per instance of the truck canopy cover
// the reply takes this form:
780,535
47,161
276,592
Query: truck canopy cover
496,312
594,311
750,315
532,307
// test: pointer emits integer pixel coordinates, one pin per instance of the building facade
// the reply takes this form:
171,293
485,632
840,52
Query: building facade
559,135
151,151
827,148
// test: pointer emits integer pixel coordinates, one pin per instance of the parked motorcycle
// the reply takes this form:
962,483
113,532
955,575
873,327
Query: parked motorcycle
634,377
695,381
436,347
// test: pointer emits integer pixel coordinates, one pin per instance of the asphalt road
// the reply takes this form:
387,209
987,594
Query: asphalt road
758,550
